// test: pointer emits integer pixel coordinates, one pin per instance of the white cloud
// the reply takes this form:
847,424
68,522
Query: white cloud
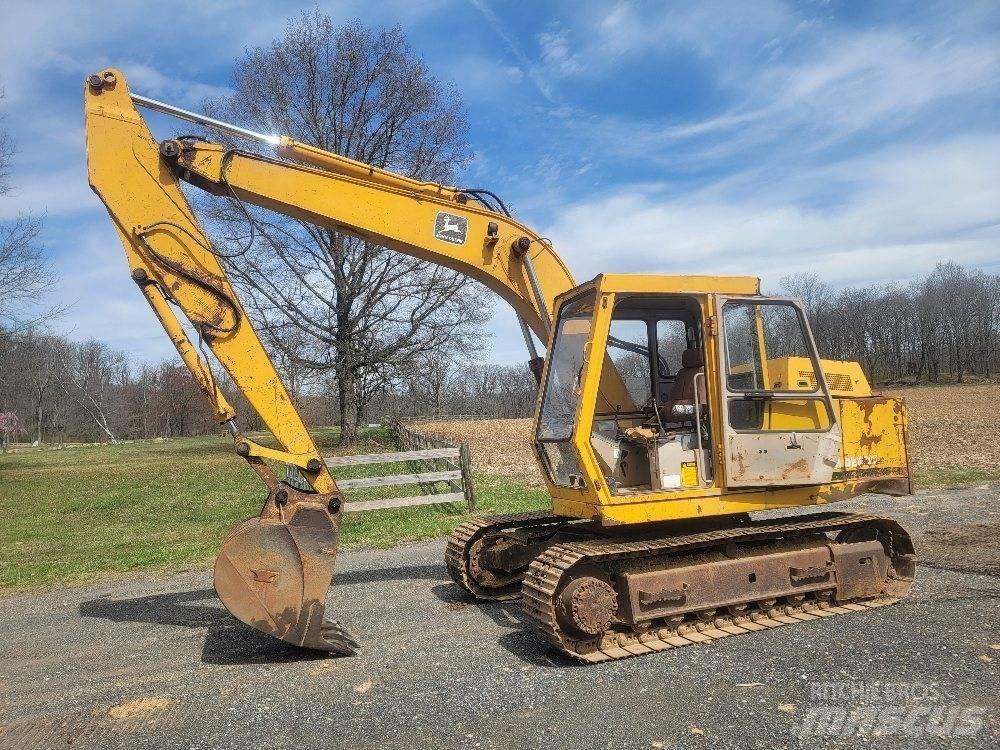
906,209
556,53
875,84
530,69
53,192
485,78
707,28
879,76
148,81
795,83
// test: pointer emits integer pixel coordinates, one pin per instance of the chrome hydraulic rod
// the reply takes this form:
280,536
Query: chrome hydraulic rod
528,340
208,122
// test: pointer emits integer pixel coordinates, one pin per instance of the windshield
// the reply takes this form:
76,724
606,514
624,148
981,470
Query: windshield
562,388
562,392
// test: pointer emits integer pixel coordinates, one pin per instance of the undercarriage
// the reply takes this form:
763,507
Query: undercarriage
604,593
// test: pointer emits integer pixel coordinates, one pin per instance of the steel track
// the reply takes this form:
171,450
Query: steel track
552,568
547,572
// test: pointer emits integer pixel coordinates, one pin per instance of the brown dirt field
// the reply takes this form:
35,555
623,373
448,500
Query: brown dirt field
499,446
951,427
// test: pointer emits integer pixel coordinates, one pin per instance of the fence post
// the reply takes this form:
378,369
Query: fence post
465,460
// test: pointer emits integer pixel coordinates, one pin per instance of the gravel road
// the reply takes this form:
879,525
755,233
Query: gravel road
157,663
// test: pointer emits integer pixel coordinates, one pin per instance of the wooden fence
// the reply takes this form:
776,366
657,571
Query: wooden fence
440,461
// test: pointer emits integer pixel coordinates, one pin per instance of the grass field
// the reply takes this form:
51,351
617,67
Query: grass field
71,515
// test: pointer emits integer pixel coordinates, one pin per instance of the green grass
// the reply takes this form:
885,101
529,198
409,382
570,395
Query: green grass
932,478
74,515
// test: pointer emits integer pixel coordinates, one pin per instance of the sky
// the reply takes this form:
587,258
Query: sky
856,140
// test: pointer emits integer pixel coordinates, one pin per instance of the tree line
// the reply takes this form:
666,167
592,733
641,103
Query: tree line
943,326
60,391
55,391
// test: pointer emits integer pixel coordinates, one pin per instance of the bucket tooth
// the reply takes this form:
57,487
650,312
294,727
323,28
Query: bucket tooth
339,639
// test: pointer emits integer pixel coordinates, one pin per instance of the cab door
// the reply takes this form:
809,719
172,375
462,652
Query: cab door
779,424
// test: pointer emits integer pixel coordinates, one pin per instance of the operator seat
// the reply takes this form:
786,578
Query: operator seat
682,391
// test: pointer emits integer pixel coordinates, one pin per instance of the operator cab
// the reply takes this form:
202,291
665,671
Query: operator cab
653,434
629,408
650,430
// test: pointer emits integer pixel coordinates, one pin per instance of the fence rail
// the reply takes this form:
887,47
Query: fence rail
385,458
394,480
441,461
413,440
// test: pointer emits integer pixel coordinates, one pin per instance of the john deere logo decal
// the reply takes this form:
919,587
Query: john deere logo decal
451,228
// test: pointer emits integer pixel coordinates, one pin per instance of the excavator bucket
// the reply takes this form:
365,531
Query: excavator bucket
273,572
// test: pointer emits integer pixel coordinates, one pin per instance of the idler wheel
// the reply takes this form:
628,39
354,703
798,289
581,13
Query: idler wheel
587,606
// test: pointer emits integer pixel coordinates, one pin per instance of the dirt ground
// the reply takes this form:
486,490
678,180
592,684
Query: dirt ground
951,427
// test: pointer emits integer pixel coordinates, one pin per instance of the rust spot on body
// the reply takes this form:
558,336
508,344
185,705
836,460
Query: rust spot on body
799,468
867,440
741,462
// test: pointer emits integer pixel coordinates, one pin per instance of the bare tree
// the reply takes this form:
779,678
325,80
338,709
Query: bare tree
814,293
333,302
39,373
94,377
10,428
23,270
430,376
6,154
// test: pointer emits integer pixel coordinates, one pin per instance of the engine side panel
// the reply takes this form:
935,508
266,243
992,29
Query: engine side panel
874,438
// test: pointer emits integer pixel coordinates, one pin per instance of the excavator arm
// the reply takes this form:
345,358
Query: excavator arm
273,571
428,221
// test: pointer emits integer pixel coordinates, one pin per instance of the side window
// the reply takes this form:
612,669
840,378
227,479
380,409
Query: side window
766,348
628,347
671,339
767,353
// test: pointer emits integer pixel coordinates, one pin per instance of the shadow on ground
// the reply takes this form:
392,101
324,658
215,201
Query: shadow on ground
520,640
229,641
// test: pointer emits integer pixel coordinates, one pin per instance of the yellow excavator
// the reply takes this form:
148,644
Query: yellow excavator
671,410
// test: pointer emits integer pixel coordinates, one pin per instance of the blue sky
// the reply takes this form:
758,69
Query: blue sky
858,140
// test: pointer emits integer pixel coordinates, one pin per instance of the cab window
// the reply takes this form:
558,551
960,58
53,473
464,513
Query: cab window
768,361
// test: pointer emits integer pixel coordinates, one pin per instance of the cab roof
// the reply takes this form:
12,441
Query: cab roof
694,284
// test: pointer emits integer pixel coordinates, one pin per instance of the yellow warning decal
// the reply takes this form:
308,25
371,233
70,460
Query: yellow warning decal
689,474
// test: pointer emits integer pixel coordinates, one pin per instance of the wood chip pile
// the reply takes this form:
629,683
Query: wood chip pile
499,446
